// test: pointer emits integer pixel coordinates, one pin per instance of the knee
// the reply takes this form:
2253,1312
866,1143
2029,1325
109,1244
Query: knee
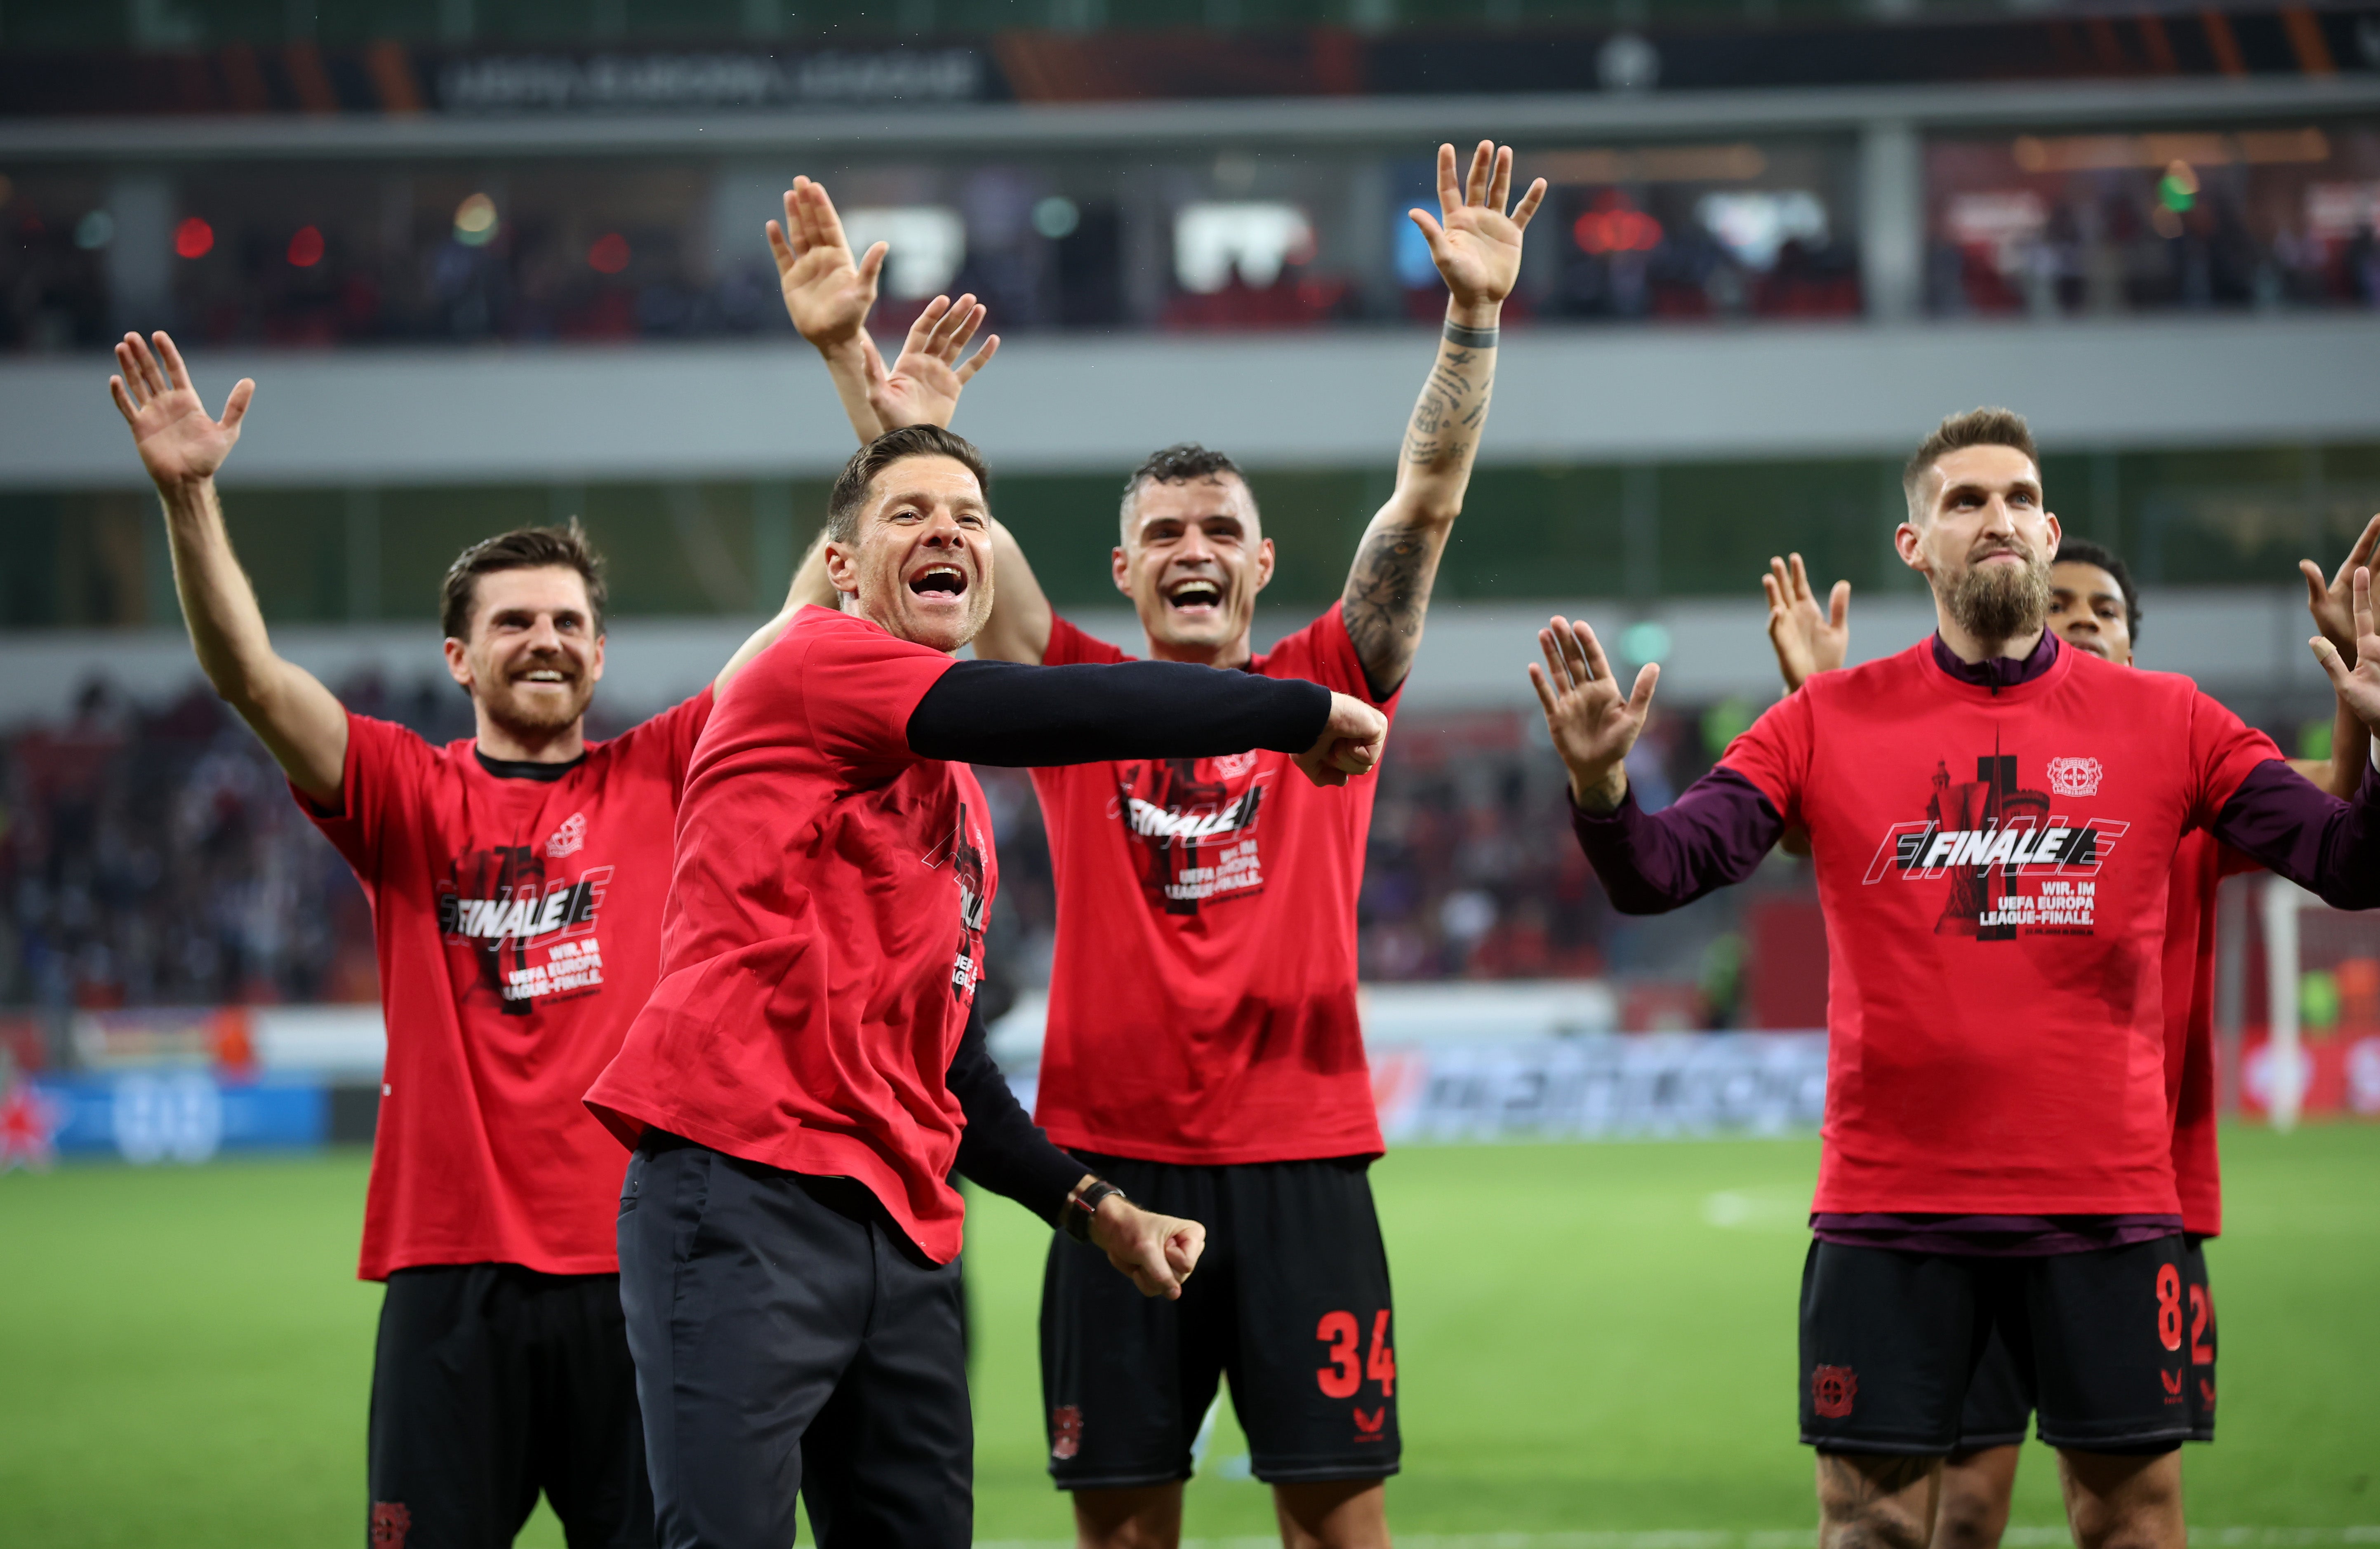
1964,1522
2123,1502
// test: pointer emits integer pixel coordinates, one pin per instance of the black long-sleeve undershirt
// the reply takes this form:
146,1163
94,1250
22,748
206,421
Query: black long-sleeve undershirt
1008,714
1002,1148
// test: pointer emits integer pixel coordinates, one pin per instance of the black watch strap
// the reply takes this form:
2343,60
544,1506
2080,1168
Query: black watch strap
1084,1204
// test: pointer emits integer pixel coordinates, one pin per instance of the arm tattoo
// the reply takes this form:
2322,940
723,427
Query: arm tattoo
1387,593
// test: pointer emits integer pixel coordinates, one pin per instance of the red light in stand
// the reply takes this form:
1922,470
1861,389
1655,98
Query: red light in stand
193,239
305,248
1612,226
609,255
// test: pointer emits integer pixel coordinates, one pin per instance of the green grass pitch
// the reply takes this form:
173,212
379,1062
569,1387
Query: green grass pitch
1591,1338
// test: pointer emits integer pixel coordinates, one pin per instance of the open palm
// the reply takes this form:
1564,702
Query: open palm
2331,602
924,383
1808,639
827,294
2358,687
179,443
1592,723
1475,244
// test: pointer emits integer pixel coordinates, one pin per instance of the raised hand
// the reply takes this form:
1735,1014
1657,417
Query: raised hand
924,384
827,295
1350,745
1807,642
2358,687
1593,725
179,443
1475,244
2329,601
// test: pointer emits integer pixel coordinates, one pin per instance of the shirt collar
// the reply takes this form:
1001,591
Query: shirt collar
1997,671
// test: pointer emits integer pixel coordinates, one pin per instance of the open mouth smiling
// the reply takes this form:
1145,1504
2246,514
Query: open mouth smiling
939,580
1195,595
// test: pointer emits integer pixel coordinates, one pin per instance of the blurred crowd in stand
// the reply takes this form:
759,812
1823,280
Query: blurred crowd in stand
152,855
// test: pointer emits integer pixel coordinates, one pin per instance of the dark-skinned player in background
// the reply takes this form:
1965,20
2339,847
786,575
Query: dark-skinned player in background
2093,607
516,880
1203,1046
788,1235
1998,1148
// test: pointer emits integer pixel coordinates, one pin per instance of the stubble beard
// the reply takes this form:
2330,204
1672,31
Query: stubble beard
528,721
1999,603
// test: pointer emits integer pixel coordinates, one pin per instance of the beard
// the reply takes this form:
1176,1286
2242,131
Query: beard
535,717
1998,602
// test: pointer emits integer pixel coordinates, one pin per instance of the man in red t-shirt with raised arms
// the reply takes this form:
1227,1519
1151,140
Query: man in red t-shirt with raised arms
788,1236
1998,1137
1203,1046
2093,608
515,880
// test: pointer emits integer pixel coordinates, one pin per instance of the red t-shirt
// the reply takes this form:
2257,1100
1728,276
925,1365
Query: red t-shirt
519,929
1995,868
2199,865
1202,1002
824,932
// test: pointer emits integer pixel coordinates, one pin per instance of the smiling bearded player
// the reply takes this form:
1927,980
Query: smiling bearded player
788,1238
1203,1043
2092,606
515,879
1998,1148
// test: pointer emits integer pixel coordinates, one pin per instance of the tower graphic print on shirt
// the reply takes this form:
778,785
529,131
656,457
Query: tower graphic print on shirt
965,849
2015,867
531,928
1192,828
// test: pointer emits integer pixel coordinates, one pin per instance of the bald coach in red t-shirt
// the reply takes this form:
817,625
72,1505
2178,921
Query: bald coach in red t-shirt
1203,1046
788,1235
515,879
1994,820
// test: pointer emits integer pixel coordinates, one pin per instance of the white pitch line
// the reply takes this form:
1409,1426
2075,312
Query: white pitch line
2041,1537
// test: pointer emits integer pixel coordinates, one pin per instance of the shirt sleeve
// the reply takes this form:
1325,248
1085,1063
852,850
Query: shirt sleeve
1652,861
858,688
1069,647
678,729
1326,653
383,764
1774,752
2330,847
1001,1149
2223,750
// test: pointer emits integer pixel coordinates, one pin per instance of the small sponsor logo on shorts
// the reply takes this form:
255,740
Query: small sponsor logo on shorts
1065,1431
2172,1381
1832,1388
1372,1427
2205,1393
391,1522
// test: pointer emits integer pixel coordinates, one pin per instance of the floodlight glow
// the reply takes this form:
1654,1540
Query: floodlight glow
475,221
1256,238
193,239
928,241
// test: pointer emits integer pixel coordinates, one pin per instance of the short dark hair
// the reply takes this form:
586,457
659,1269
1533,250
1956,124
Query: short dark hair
2082,551
1178,464
521,548
1977,427
910,440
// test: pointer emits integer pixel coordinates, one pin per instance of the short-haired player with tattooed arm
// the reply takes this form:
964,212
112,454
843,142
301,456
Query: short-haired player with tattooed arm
1997,1149
788,1235
2093,607
1203,1046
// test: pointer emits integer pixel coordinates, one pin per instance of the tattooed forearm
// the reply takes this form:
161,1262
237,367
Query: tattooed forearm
1387,591
1444,430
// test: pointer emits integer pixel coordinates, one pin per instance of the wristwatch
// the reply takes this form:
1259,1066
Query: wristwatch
1083,1204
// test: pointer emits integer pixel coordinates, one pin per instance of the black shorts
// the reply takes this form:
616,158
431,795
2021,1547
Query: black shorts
789,1337
1890,1341
1999,1395
491,1383
1291,1299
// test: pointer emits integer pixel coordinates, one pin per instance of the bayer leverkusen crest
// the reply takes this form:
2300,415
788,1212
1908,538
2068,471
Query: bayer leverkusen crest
2074,776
